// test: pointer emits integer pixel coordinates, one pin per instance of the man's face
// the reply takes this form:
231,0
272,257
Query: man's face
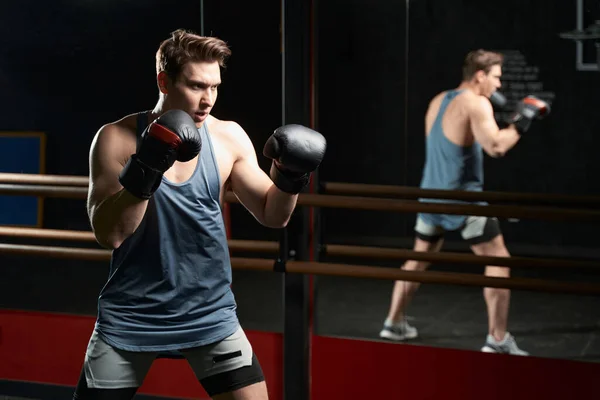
195,90
490,82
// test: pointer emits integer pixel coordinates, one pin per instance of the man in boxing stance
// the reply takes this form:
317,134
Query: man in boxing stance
157,180
459,127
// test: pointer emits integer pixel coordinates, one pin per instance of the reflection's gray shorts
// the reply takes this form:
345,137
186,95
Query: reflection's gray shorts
476,230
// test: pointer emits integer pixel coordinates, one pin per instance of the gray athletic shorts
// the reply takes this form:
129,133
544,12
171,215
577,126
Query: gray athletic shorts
476,230
107,367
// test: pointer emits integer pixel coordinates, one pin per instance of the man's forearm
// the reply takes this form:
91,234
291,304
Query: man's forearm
279,207
507,139
116,218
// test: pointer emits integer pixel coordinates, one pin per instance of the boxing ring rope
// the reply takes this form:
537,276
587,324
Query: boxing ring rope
260,246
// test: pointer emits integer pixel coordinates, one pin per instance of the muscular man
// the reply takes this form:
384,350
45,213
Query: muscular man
459,127
157,180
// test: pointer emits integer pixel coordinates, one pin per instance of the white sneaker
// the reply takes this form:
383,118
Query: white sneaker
398,331
508,345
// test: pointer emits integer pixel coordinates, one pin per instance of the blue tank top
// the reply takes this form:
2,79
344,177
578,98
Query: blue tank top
169,282
449,166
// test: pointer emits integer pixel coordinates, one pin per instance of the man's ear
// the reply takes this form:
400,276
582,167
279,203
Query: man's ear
161,80
480,76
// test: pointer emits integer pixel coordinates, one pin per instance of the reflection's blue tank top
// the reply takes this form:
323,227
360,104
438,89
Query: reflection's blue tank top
169,282
450,167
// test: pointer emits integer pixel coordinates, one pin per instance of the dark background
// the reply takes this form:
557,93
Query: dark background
68,67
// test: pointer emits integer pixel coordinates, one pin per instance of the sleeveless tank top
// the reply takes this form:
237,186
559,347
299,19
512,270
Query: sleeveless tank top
449,166
169,282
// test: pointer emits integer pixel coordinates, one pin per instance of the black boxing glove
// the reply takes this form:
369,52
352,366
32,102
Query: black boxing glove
498,101
296,151
171,137
527,110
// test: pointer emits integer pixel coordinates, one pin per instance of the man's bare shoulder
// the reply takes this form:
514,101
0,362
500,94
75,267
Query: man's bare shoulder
434,103
117,138
123,128
126,125
436,100
224,127
230,132
439,96
475,103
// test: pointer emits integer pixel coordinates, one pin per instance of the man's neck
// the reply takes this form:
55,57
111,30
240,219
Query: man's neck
159,108
470,86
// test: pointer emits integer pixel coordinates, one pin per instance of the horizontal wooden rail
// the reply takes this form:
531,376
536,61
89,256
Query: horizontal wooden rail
410,192
444,278
40,179
408,206
258,246
361,189
65,192
457,258
330,269
255,246
56,252
38,233
362,203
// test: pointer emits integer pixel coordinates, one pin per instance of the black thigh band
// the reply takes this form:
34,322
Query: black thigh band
429,238
491,229
235,379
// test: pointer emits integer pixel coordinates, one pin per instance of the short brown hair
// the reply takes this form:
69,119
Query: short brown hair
184,46
480,60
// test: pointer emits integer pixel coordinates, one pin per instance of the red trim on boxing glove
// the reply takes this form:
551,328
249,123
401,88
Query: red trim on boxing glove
164,135
539,104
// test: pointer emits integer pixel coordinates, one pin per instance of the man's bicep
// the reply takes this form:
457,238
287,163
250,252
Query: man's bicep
249,182
483,124
247,178
106,162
